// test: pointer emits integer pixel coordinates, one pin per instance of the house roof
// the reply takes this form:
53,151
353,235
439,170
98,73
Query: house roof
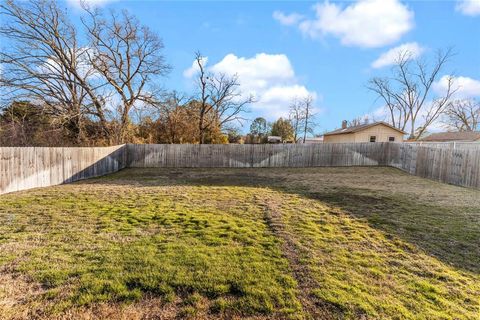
310,140
453,136
361,127
274,138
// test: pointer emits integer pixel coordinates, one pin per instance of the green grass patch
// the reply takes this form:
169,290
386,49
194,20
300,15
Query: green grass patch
366,272
201,243
119,247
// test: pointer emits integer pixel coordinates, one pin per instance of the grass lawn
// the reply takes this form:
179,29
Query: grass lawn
317,243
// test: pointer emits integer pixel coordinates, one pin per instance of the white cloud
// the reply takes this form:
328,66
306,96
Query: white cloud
287,19
388,58
468,7
194,69
52,65
257,72
270,78
275,101
365,23
467,87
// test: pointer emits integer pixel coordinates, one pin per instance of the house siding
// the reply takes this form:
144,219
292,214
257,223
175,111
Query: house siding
382,132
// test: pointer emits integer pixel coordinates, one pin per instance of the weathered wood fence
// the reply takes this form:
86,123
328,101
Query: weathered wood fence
31,167
256,155
457,164
24,168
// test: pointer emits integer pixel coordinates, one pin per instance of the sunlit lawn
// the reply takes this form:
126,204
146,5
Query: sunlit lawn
263,243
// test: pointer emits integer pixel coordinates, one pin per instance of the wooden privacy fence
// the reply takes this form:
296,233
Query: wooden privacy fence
24,168
457,164
452,145
31,167
256,155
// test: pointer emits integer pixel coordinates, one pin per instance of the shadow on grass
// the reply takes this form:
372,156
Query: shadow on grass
450,234
442,232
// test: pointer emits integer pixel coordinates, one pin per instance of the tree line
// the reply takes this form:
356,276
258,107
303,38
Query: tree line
100,83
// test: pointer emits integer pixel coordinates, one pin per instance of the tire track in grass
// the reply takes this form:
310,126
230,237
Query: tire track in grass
293,251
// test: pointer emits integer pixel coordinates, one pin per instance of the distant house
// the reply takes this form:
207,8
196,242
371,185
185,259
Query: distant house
464,136
369,132
274,139
311,140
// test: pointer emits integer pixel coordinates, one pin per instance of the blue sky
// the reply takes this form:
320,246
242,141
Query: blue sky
283,49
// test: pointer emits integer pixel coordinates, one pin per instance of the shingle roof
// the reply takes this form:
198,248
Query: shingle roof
453,136
360,127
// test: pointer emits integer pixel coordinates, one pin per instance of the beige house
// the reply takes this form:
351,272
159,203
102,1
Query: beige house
312,140
370,132
274,139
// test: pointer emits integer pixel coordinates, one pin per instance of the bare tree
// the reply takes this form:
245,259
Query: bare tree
360,120
44,63
407,94
355,122
128,56
297,117
463,115
219,101
302,117
309,123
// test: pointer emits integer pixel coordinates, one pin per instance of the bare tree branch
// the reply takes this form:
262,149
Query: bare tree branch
408,93
301,117
45,63
128,56
219,99
463,115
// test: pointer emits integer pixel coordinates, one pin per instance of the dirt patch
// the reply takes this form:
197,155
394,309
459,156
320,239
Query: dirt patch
16,294
23,299
147,309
